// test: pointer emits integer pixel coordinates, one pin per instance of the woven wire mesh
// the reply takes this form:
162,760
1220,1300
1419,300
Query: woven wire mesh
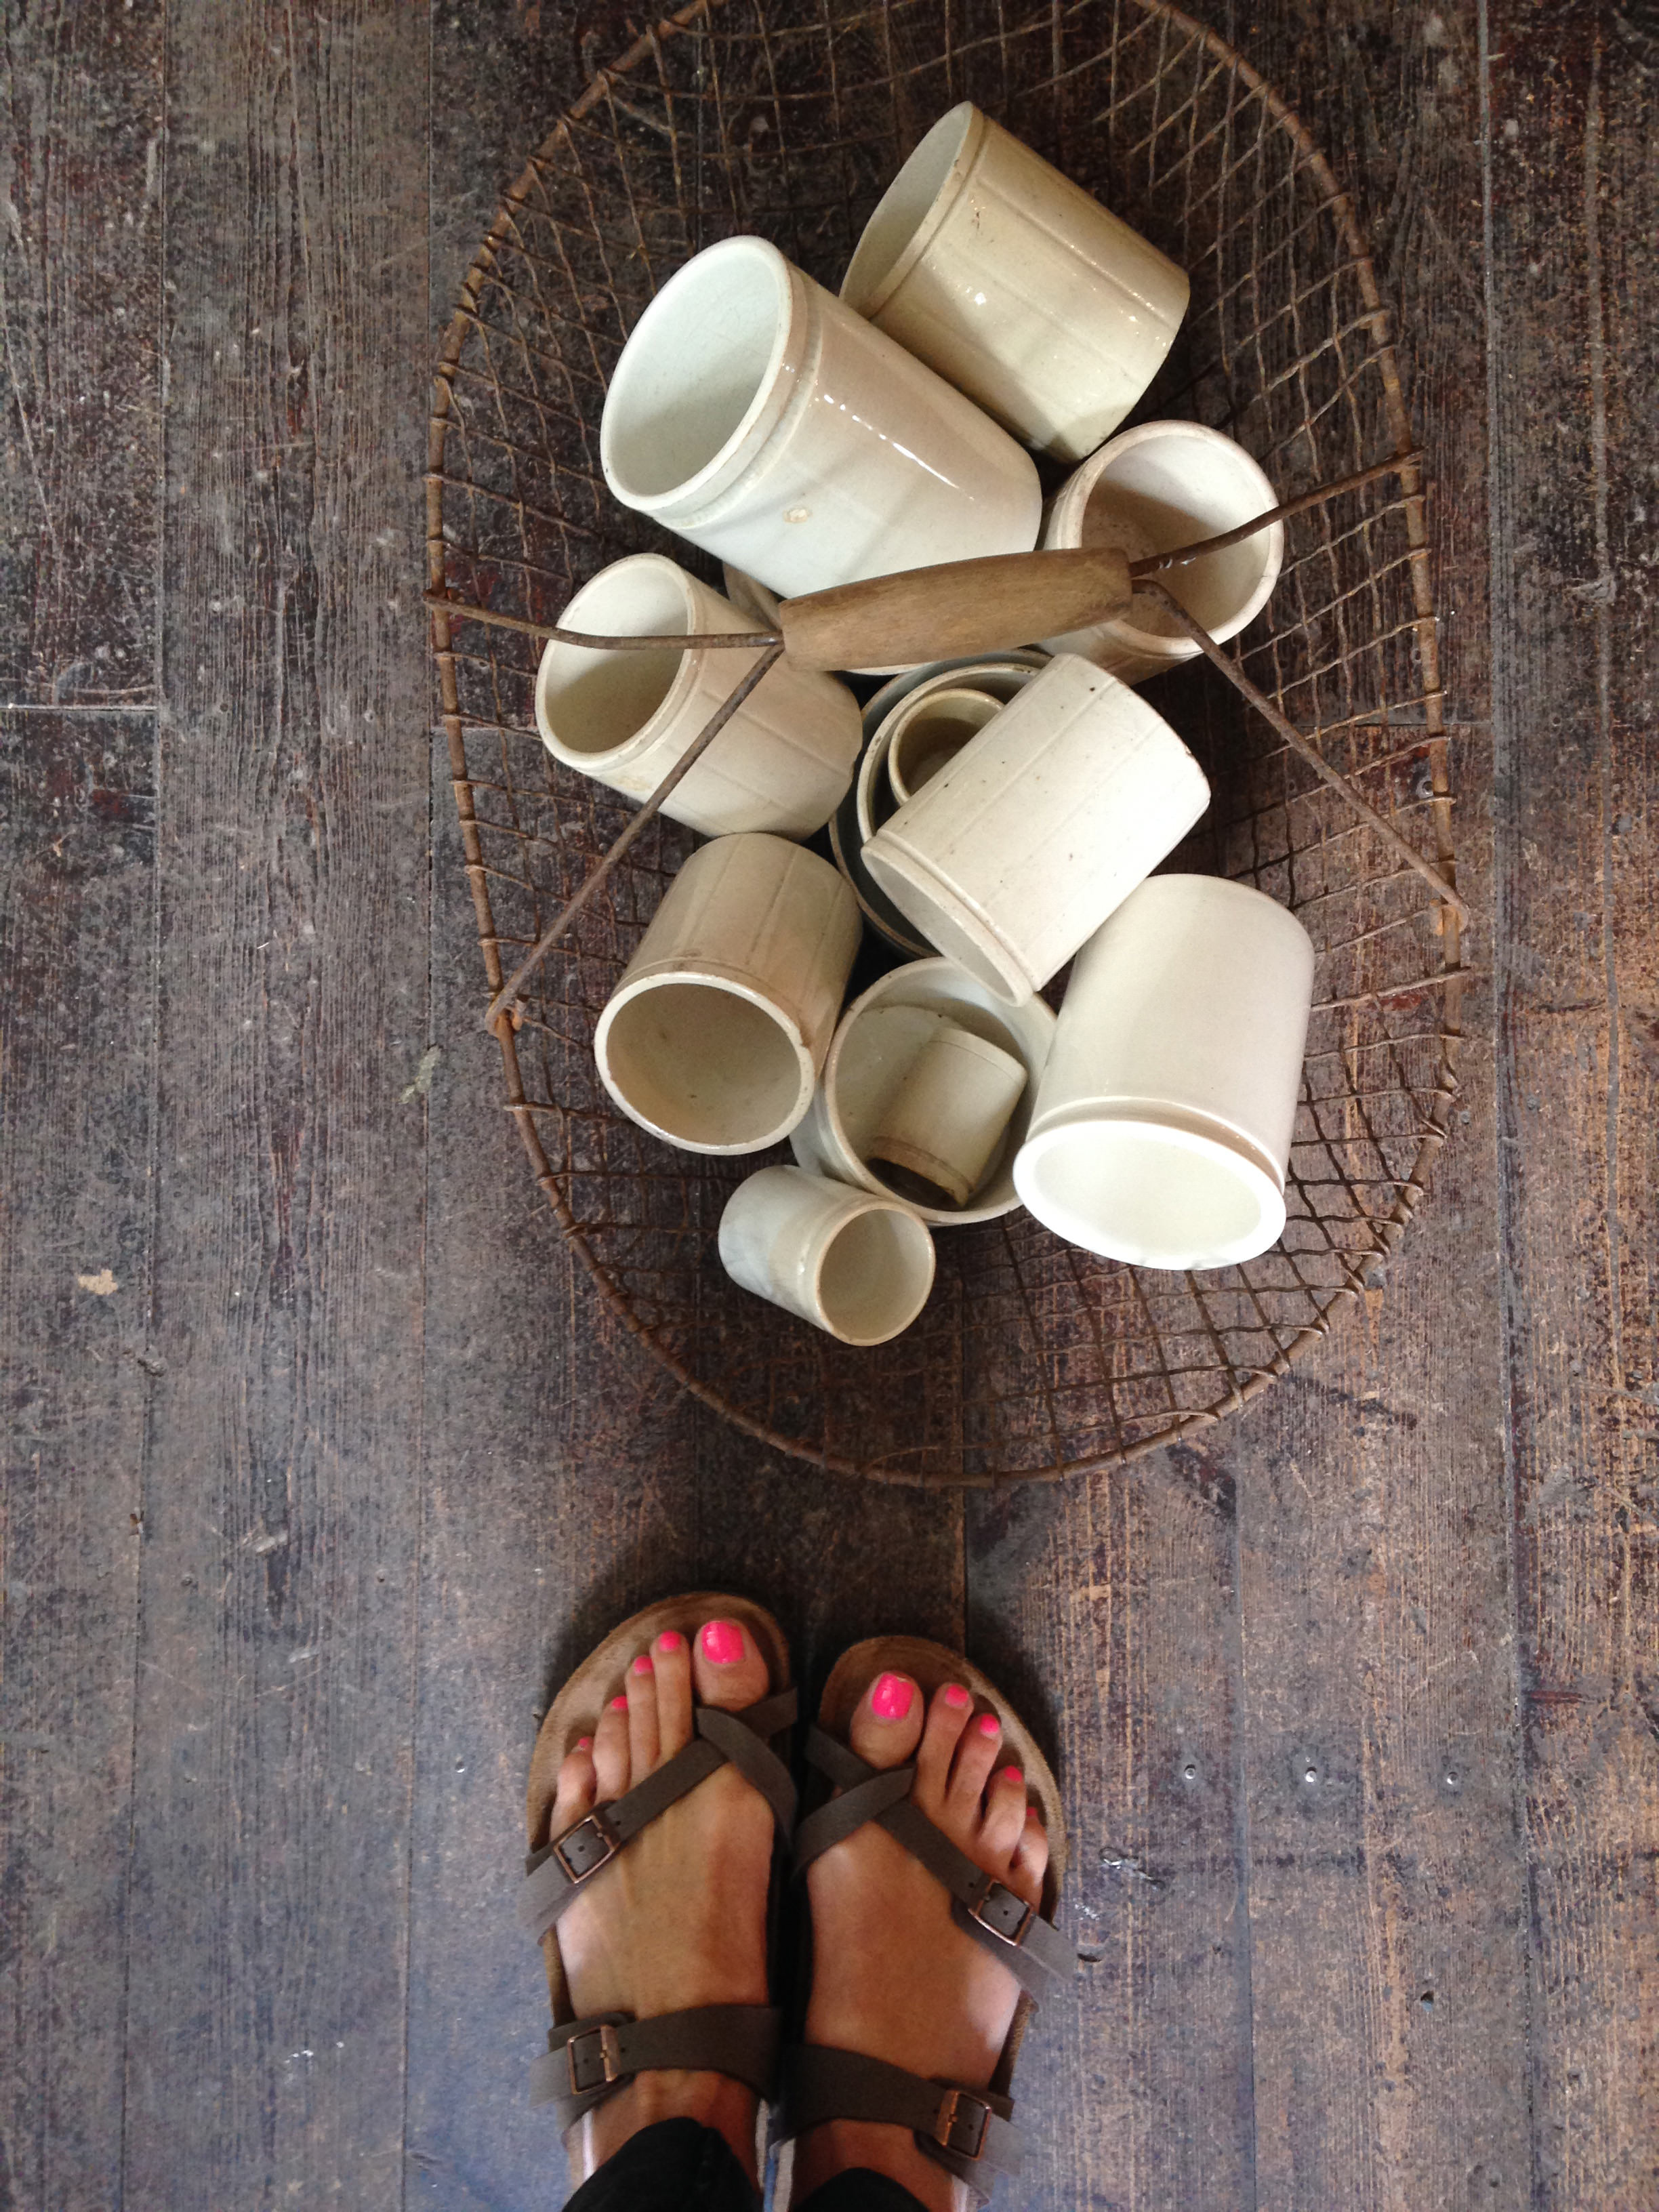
1032,1358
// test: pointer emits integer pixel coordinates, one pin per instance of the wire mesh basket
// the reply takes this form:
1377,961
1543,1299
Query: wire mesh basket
1032,1358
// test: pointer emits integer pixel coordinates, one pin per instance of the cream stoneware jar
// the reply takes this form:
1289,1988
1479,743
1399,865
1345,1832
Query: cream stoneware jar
1161,1135
713,1038
931,732
783,763
945,1123
871,798
1149,490
876,1047
757,416
1012,283
1021,846
857,1267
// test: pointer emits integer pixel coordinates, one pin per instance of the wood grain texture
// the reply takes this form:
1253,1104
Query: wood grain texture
1574,204
265,2052
77,1070
80,175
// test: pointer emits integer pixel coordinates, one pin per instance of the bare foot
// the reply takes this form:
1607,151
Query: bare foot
893,1976
678,1918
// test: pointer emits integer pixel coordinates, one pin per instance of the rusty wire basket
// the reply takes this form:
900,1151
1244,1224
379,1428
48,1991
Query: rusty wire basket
1032,1358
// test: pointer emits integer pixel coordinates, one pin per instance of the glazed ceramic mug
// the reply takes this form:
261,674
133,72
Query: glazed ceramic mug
757,416
1160,1133
1149,490
1012,283
858,1266
714,1037
624,716
1021,846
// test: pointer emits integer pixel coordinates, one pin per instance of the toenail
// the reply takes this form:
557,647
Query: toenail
670,1640
1011,1774
890,1700
619,1704
583,1743
642,1664
957,1696
722,1641
990,1724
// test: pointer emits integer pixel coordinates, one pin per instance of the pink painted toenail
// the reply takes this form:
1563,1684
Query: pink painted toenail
1011,1774
957,1696
722,1641
670,1640
890,1699
990,1724
642,1664
585,1743
619,1704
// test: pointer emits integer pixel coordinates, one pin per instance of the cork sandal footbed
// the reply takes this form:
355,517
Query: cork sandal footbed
575,1712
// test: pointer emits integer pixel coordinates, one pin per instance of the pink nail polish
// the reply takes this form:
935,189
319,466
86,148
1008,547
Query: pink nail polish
583,1743
619,1704
890,1699
642,1664
990,1724
957,1696
670,1640
722,1641
1011,1774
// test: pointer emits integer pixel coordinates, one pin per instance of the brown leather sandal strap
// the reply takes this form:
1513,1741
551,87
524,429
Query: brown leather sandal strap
589,2060
967,2131
555,1875
1000,1922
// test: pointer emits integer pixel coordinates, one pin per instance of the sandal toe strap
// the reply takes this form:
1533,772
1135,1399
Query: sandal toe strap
589,2060
555,1875
967,2131
999,1921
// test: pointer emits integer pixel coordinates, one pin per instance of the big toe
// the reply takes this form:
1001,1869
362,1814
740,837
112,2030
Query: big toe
728,1666
887,1721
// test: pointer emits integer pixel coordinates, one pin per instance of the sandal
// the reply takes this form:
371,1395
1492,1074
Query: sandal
968,2132
589,2060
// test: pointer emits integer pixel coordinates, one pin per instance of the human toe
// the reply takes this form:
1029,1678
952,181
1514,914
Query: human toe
1030,1859
610,1751
977,1752
670,1658
574,1794
1005,1816
726,1666
887,1720
948,1714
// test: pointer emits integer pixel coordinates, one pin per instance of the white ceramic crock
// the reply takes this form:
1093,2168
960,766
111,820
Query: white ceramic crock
1011,281
1149,490
1160,1133
783,763
857,1267
946,1122
929,732
876,1045
757,416
1020,848
713,1038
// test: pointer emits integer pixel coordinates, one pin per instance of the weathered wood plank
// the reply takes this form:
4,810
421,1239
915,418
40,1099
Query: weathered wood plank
1106,1605
81,168
77,1070
270,1837
1574,205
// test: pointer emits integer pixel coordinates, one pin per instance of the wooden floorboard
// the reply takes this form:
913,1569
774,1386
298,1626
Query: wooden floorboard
271,1835
1574,203
81,232
78,888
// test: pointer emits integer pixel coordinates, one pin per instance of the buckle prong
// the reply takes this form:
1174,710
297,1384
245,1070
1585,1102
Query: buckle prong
610,2058
578,1857
977,1912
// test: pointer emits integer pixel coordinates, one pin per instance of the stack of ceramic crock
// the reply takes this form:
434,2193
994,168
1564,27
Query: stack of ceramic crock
999,817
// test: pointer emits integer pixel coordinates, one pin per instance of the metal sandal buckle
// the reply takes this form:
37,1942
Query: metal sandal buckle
586,1846
584,2074
1001,1913
959,2132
